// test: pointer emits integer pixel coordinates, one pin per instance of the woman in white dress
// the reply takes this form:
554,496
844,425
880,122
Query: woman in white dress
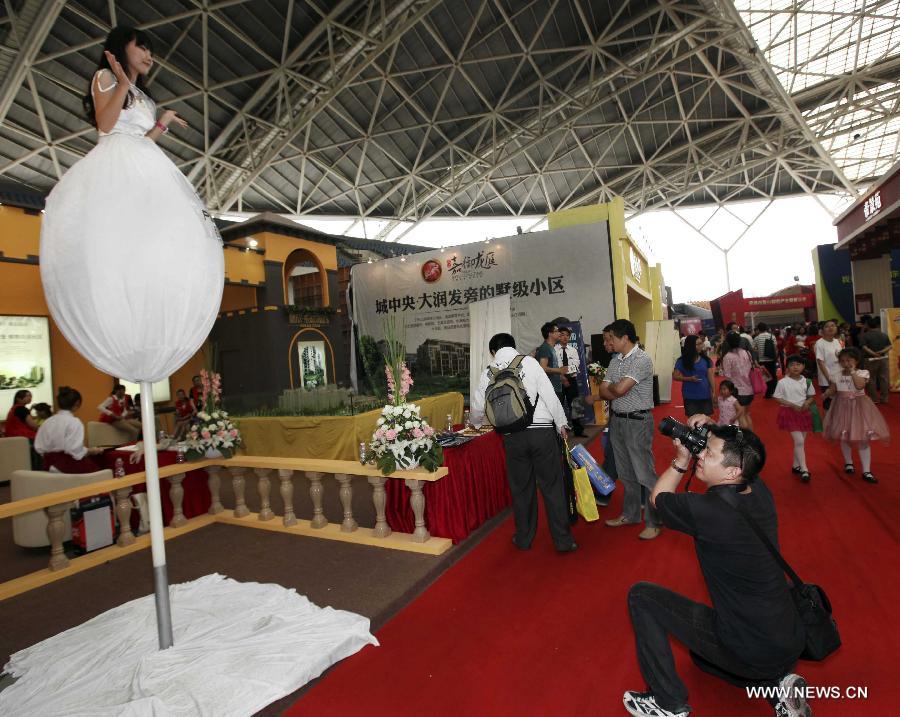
118,226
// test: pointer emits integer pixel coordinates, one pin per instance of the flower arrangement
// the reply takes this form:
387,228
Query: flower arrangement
402,438
596,370
213,430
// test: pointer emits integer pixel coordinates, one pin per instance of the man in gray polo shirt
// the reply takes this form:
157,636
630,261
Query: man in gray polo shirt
628,385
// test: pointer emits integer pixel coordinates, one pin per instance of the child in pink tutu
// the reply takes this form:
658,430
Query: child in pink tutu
852,418
796,397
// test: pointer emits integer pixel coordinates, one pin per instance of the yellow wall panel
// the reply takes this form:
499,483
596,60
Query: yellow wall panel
20,233
244,266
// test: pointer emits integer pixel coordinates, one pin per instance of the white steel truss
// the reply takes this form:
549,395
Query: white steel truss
408,109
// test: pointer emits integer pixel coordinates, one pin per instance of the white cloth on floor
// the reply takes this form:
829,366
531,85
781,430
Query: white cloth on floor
238,647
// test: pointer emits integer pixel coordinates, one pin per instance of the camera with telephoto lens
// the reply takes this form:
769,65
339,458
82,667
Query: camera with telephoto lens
694,439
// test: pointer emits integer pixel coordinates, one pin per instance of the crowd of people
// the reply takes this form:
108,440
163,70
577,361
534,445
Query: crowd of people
57,439
752,634
849,365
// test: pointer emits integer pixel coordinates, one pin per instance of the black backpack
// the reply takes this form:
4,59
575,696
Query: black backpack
769,351
506,402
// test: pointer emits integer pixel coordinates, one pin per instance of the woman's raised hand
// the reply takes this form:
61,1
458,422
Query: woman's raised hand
117,68
170,116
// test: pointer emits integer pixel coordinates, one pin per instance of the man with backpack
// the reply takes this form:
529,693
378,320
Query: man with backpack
764,343
517,398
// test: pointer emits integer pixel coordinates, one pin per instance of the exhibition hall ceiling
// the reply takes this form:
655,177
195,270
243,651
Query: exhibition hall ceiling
409,109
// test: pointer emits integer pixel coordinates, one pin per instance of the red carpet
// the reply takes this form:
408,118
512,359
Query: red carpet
505,632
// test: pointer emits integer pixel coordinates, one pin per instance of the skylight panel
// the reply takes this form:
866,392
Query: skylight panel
814,41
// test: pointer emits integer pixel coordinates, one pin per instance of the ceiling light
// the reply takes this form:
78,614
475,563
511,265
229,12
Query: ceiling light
252,242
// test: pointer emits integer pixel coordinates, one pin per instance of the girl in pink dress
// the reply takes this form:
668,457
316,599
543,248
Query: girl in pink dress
731,413
852,418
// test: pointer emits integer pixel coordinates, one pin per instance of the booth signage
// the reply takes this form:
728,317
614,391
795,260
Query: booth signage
560,273
25,358
872,206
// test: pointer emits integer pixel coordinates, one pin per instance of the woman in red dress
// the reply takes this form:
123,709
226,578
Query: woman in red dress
19,421
115,409
184,413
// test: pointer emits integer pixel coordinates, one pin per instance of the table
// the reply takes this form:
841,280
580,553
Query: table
196,489
474,490
332,437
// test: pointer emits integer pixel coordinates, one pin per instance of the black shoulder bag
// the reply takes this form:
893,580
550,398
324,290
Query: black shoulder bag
812,603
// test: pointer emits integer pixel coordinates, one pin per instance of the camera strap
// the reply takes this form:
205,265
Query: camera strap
730,498
693,470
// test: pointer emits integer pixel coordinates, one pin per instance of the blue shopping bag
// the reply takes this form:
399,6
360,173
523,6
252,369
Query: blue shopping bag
602,483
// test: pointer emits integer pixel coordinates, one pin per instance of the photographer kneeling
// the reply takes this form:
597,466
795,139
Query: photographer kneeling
752,635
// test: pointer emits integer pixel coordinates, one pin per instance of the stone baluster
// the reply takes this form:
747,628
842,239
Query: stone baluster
214,481
379,498
176,495
417,503
123,513
315,494
346,494
286,477
56,529
237,481
264,486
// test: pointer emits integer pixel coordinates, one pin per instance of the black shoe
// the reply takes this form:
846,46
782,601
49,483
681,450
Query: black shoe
570,548
804,476
849,469
869,478
520,547
797,469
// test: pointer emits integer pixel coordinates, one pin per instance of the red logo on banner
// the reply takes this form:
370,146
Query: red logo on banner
431,270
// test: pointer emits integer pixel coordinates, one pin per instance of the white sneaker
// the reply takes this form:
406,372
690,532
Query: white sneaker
643,704
793,700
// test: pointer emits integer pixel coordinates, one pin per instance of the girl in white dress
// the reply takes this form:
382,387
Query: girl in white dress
118,224
796,397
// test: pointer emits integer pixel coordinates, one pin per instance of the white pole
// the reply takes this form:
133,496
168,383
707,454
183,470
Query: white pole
157,538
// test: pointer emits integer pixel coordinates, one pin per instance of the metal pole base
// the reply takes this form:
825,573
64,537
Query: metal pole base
163,610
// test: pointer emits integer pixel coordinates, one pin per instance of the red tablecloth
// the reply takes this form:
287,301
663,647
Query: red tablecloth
474,490
196,490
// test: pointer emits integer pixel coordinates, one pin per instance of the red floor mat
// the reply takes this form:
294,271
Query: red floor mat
506,632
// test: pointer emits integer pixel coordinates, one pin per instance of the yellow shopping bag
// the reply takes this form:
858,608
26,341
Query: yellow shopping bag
584,495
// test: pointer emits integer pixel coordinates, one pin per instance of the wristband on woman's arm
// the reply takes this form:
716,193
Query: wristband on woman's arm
161,127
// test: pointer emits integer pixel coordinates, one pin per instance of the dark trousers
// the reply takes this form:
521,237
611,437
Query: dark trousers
657,613
569,394
772,368
879,386
534,460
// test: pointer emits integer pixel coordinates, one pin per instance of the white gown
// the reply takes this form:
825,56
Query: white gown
131,262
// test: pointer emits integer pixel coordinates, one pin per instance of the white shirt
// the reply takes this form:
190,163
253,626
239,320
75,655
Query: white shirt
827,351
61,433
845,384
571,353
548,410
794,391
